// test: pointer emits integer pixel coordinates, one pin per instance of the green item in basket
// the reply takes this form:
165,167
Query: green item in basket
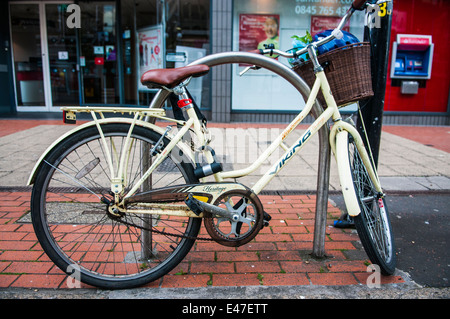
299,43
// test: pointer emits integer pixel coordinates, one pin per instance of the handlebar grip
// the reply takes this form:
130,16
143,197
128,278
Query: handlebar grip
359,4
257,51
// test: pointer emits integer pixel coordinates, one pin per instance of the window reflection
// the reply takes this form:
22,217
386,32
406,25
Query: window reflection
98,54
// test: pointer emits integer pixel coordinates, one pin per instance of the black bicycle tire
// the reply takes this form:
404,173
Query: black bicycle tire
58,152
387,267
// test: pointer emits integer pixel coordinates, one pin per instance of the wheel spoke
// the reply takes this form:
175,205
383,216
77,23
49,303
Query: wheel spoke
373,223
76,226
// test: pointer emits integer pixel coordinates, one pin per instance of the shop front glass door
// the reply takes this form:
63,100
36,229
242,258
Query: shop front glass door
62,56
98,57
27,48
45,56
55,65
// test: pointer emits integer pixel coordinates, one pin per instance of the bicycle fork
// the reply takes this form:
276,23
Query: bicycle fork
339,136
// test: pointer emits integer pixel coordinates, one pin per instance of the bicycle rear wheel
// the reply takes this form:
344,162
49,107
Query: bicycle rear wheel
373,223
72,222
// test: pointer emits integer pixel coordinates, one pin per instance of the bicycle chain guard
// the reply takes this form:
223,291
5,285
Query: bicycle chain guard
233,214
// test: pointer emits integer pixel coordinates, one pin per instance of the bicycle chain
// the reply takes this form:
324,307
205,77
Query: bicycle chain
166,233
213,236
217,240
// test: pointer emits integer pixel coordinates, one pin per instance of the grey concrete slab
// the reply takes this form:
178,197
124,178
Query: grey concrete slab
403,164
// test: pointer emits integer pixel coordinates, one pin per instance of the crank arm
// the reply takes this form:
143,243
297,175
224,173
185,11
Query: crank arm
198,207
162,195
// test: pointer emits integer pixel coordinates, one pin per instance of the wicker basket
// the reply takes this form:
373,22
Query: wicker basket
348,73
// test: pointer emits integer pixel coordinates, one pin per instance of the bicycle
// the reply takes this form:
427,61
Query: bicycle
122,199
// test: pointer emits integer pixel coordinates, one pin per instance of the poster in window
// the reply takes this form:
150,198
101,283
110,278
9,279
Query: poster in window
255,30
110,53
322,23
150,51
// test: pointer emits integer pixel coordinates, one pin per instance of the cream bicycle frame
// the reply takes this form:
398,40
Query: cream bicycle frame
338,140
338,136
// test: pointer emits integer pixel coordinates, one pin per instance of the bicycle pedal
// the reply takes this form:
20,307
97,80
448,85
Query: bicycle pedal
193,205
266,219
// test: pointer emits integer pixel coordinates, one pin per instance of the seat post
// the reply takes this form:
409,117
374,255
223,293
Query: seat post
184,102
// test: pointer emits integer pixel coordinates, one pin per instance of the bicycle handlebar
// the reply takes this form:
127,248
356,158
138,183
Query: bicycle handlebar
359,4
327,39
356,5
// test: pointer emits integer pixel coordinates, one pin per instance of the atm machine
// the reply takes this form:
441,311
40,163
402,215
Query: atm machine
412,58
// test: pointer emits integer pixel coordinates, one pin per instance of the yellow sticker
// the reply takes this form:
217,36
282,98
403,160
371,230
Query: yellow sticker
201,198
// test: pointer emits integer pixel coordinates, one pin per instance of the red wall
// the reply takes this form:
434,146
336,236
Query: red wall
424,17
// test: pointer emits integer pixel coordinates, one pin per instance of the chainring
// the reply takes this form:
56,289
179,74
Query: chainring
247,208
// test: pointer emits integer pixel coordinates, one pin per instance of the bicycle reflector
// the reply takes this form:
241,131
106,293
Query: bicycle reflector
69,117
184,102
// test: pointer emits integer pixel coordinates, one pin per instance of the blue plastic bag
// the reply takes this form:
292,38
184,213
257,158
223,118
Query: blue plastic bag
348,38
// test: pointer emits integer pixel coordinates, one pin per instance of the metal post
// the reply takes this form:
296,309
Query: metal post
372,109
147,250
323,181
323,177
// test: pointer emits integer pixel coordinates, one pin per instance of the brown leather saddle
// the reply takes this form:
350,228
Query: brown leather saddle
170,78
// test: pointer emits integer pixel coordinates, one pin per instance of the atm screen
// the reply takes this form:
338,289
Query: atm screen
399,64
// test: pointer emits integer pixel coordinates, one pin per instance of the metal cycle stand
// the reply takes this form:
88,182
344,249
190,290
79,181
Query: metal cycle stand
147,250
323,181
324,146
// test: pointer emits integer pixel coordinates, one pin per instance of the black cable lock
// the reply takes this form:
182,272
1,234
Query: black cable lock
208,169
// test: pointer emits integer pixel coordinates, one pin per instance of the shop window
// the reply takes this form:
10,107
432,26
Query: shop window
144,46
62,56
26,40
275,22
98,53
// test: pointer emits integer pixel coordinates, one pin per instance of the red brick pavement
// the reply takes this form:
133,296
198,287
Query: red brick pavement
279,255
12,126
433,136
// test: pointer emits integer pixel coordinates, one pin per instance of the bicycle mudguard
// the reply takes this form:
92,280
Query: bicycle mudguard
345,174
186,150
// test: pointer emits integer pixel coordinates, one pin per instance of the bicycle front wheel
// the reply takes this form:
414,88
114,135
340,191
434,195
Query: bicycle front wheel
373,223
72,222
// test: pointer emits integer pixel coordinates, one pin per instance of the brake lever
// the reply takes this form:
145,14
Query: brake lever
254,67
